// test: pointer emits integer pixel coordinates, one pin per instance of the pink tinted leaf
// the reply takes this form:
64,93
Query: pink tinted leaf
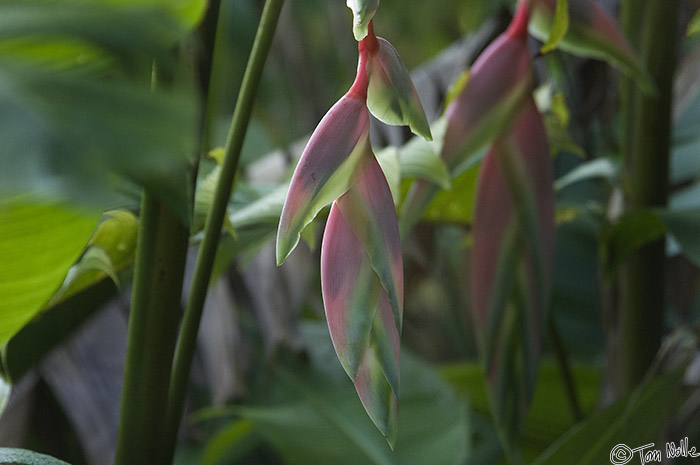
391,96
369,210
351,291
593,33
379,395
498,86
336,155
513,235
361,322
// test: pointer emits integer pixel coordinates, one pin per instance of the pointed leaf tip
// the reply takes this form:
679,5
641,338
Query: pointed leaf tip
336,155
362,13
362,286
391,97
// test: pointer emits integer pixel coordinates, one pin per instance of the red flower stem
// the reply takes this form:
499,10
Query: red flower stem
518,26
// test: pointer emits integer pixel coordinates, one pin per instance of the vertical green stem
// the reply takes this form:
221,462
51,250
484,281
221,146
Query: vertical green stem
155,311
646,147
215,218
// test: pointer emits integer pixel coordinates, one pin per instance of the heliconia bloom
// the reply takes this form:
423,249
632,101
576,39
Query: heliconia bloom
362,285
391,96
512,256
337,154
499,84
593,33
362,13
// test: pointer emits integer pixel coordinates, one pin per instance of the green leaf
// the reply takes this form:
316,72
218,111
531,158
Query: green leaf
38,244
457,204
631,231
312,414
560,25
420,159
72,131
54,325
362,13
600,168
550,414
635,421
27,457
591,33
231,443
684,225
111,249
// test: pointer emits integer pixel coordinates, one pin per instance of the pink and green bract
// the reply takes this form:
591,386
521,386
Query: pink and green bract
499,84
361,261
362,284
512,253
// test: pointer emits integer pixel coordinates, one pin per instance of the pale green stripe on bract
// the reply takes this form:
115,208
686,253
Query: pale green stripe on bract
335,157
391,95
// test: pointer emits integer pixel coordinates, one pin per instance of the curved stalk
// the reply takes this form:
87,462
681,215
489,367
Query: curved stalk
212,230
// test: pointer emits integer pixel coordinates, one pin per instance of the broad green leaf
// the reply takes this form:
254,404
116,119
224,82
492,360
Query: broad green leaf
560,25
313,416
600,168
591,33
335,157
634,421
38,244
54,325
631,231
391,95
362,13
684,225
27,457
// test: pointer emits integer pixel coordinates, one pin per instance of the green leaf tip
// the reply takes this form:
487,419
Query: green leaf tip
391,96
362,13
560,25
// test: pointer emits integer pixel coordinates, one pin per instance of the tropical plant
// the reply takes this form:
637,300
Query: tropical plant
526,265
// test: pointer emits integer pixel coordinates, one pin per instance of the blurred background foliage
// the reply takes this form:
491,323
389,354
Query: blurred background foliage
266,387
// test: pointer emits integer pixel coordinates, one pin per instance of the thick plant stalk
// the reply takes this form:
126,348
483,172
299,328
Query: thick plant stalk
212,230
646,146
155,311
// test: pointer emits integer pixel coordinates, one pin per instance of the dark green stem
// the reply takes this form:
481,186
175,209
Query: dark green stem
564,368
646,147
155,311
215,219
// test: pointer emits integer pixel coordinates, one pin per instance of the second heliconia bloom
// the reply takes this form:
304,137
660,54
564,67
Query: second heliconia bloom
361,261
